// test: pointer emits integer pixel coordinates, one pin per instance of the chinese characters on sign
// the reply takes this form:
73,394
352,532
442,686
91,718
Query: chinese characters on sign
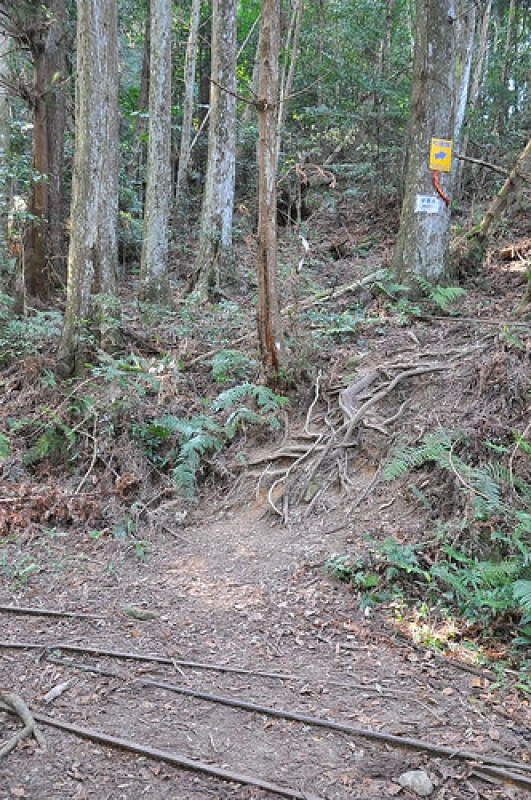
427,204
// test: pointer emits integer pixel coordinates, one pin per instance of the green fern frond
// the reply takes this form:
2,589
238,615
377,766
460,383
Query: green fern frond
522,594
442,296
494,574
231,364
238,417
435,446
4,446
264,397
198,436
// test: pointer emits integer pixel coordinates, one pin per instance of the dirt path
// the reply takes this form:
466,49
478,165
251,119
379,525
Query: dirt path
233,590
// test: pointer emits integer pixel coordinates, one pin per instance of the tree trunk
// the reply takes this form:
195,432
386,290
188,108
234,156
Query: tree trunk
44,261
215,256
288,72
93,252
154,283
36,273
465,27
475,85
501,118
188,107
424,233
270,334
134,169
4,150
56,47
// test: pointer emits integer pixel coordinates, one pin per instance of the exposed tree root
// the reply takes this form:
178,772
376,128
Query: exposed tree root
325,460
15,704
175,759
321,455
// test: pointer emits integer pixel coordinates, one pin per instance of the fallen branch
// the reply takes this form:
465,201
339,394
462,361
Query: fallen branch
361,687
366,733
15,705
46,612
175,759
175,662
336,292
502,776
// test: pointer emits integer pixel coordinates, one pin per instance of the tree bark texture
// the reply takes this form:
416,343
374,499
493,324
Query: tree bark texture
134,169
93,252
270,334
154,283
215,256
45,256
4,151
423,238
188,107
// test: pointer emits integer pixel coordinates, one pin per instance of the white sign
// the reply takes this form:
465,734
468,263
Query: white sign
427,204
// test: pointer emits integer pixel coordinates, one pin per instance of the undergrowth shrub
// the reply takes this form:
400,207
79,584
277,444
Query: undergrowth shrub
23,335
112,402
477,567
182,445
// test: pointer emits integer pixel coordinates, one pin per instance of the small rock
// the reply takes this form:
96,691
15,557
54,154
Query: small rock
418,781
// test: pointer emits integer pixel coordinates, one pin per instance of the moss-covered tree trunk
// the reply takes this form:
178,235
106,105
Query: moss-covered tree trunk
424,233
154,283
93,252
215,255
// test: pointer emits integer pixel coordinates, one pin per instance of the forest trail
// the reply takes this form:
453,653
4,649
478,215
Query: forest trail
235,590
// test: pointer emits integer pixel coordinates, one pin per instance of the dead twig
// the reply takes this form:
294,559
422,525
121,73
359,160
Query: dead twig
15,705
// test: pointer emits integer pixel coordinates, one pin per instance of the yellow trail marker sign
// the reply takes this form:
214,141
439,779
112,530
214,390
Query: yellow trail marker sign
441,154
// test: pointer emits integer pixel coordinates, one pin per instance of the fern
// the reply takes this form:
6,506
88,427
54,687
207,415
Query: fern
236,420
231,365
442,296
265,399
434,446
4,446
522,594
198,436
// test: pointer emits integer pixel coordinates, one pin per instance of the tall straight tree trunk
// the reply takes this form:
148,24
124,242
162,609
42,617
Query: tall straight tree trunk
465,26
44,262
270,333
154,283
36,271
501,118
134,169
475,84
4,150
215,255
288,72
188,106
93,252
56,48
423,238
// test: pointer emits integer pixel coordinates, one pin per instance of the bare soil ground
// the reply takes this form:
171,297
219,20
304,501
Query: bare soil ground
227,597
